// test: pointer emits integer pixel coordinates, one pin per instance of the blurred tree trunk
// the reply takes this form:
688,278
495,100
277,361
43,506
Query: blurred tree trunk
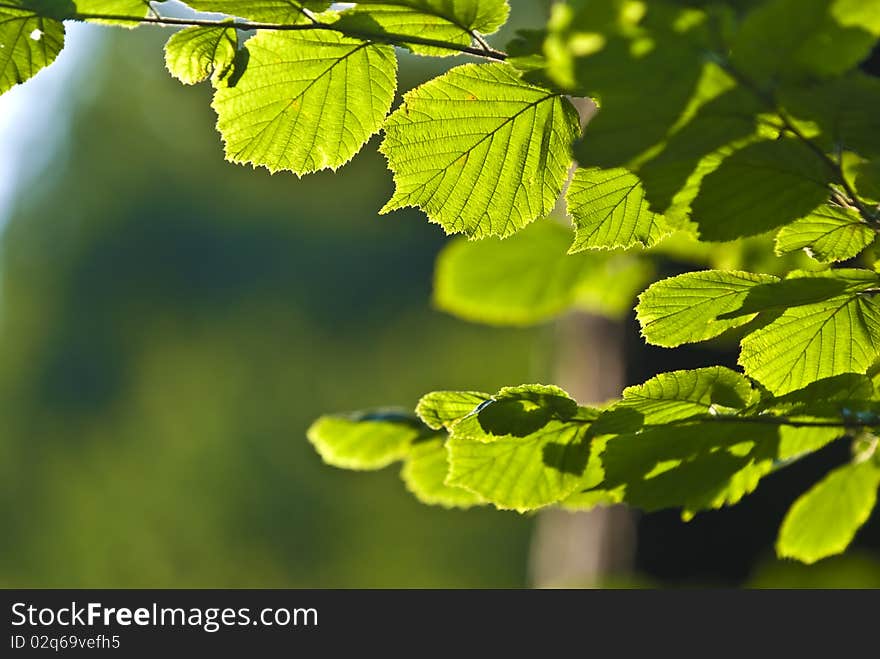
581,549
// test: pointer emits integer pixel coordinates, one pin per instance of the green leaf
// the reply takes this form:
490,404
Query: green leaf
686,308
525,448
828,397
680,395
795,442
643,79
479,150
806,38
368,440
452,21
843,110
305,102
125,8
517,412
527,472
591,499
801,287
824,520
424,473
283,12
28,43
114,7
529,278
719,119
441,409
868,179
609,210
198,53
760,187
840,334
702,465
828,234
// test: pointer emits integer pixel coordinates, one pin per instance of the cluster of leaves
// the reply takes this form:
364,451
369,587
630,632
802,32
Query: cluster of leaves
697,440
716,122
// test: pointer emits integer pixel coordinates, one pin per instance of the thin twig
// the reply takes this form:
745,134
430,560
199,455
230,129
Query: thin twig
386,37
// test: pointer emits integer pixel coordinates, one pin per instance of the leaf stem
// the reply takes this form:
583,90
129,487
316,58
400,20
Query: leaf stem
386,37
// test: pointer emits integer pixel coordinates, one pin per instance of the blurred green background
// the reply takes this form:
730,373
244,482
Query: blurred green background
171,324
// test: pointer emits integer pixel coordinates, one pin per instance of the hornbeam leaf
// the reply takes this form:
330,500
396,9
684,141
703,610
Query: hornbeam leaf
479,150
843,109
127,8
517,412
679,395
700,466
686,308
523,473
827,397
526,447
760,187
703,465
643,78
305,102
806,37
808,342
484,16
795,443
283,12
197,53
28,43
366,440
828,234
867,179
592,499
824,520
720,119
440,409
424,474
113,7
609,210
529,278
452,21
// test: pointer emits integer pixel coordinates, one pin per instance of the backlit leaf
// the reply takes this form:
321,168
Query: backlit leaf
424,473
824,520
828,234
28,43
268,11
305,102
440,409
197,53
479,150
364,441
805,37
609,210
523,473
808,342
686,308
452,21
760,187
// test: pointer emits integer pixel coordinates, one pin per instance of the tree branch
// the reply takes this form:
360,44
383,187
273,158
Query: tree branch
385,37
